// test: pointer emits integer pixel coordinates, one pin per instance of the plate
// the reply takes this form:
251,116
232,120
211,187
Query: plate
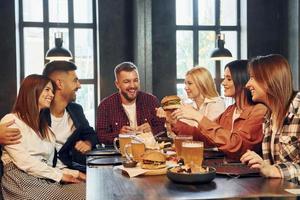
114,160
103,152
192,178
212,153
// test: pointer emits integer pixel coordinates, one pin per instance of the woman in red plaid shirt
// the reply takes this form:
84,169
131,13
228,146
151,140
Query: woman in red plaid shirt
271,83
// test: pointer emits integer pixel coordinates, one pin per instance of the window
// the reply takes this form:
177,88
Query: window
197,24
76,19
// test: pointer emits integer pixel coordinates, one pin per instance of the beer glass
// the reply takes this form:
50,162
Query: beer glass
137,150
192,152
178,142
124,138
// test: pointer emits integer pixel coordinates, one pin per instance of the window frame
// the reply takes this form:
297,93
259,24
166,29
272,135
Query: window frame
217,28
71,26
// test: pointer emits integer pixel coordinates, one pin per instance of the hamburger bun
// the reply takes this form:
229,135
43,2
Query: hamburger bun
153,160
171,102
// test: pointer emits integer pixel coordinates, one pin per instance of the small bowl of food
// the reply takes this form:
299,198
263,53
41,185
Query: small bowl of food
186,174
129,163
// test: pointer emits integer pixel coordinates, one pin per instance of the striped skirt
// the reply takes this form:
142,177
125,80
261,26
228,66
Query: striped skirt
17,184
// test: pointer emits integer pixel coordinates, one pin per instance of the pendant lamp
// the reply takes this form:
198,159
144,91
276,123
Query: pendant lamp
58,52
220,52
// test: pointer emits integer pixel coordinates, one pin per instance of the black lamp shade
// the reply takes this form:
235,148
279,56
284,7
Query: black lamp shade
58,52
220,53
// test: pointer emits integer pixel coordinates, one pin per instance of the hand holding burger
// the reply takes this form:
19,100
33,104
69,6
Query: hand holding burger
187,112
169,104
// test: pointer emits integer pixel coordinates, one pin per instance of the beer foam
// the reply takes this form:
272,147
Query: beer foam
192,145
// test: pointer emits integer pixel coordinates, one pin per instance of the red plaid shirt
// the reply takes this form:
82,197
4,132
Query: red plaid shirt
111,116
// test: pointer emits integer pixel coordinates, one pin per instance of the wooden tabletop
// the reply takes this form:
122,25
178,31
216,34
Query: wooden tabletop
107,183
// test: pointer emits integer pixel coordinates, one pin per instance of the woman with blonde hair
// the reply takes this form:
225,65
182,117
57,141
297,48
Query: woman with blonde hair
271,83
239,127
30,170
201,89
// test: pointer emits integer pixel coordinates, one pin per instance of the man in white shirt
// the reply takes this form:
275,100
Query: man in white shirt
74,136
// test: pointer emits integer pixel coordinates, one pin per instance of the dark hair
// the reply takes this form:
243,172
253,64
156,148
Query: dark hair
61,66
26,104
240,76
124,66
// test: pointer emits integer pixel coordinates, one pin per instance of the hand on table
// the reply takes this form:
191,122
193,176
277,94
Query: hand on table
254,161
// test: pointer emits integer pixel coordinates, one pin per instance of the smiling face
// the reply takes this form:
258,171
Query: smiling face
257,91
229,88
190,87
71,85
46,96
128,84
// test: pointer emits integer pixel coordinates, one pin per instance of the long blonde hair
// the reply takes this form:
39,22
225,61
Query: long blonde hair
204,81
273,73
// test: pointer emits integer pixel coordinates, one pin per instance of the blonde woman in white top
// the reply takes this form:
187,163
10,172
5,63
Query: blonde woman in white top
200,88
29,166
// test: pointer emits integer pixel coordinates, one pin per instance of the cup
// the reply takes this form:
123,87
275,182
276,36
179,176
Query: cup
137,150
178,142
192,153
124,139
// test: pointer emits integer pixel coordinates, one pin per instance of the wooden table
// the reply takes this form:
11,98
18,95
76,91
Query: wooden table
105,183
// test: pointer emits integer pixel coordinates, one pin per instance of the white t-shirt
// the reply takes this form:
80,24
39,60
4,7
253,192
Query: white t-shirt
234,117
130,111
62,128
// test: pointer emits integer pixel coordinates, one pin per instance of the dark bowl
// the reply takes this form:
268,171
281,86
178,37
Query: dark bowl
192,178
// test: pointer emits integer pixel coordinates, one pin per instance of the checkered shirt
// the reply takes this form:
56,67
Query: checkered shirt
111,116
286,152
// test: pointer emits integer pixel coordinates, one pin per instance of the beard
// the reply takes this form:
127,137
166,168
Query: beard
127,97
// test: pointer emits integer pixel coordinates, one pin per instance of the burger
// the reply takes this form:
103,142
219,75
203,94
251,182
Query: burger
153,160
171,102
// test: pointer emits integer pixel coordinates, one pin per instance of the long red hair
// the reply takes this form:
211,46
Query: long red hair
26,104
273,73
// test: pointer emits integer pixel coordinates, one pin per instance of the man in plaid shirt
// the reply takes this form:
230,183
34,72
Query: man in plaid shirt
129,110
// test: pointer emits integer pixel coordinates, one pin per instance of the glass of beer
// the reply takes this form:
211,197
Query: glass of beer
124,138
137,150
192,152
178,142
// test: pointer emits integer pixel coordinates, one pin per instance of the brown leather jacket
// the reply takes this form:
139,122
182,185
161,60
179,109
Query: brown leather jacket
245,134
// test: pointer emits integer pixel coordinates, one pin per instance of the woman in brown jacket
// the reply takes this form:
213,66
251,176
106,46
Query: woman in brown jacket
239,127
